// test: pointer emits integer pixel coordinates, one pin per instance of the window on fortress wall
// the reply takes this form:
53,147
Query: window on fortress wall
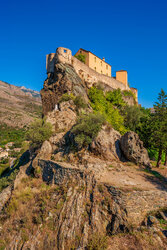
65,51
95,59
106,66
80,51
101,64
95,68
101,72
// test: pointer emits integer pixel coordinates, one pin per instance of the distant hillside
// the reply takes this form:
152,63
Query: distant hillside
18,105
30,92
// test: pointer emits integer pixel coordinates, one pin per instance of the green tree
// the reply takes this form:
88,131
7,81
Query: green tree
107,105
133,116
143,128
38,132
159,125
115,97
81,58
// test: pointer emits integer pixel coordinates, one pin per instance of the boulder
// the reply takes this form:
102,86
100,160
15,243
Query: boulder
46,150
134,150
107,144
44,153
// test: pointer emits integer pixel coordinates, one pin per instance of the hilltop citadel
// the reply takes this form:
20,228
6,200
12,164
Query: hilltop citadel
93,70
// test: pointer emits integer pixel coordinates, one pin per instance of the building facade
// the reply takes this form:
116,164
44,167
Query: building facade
87,73
122,76
95,63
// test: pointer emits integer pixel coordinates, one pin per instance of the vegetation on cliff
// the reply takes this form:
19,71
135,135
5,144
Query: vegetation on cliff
38,132
85,195
87,128
110,105
151,127
81,57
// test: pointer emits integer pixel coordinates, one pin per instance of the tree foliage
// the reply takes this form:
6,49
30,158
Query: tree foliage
150,126
87,128
159,125
115,97
81,57
38,132
107,104
133,116
79,102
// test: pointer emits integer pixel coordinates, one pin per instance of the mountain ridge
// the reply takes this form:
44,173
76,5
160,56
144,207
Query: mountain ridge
18,105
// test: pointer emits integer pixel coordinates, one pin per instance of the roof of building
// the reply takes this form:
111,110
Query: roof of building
121,70
87,51
133,88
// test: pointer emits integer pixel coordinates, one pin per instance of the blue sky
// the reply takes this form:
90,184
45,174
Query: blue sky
131,35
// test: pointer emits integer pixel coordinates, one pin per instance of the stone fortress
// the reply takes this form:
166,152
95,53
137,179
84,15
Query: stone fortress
94,70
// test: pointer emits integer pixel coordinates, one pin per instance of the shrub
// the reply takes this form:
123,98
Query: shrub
6,181
129,93
4,160
81,58
80,102
66,97
38,132
17,144
97,242
87,128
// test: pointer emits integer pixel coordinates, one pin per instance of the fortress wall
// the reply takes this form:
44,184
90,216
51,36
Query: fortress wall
64,55
135,92
92,76
50,63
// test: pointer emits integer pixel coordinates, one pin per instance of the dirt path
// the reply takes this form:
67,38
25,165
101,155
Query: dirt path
133,177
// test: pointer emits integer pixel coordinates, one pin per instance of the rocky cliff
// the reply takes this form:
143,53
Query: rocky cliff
103,196
63,80
66,80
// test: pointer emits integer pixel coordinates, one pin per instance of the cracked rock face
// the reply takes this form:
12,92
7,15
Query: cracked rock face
64,80
107,144
89,206
133,149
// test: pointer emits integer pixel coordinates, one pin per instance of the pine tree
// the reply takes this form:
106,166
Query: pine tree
159,125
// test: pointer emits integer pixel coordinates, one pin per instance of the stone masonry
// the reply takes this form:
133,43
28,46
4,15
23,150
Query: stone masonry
89,75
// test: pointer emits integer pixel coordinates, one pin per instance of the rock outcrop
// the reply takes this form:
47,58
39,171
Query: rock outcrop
64,118
64,80
65,194
4,196
89,206
134,150
107,144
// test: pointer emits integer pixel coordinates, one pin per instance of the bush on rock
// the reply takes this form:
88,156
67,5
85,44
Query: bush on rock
87,128
39,131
